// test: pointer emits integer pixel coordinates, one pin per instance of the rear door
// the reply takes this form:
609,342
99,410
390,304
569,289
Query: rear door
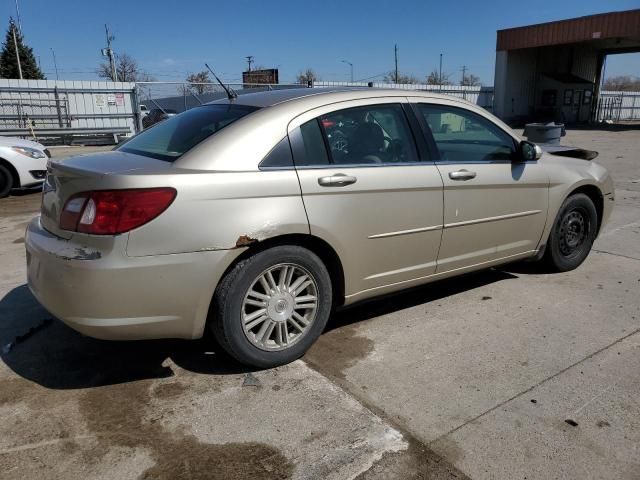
370,190
495,205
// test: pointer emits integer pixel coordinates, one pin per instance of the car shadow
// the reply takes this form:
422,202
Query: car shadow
26,191
43,350
431,292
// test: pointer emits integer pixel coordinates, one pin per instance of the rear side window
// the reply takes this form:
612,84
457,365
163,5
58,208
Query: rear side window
461,135
279,156
177,135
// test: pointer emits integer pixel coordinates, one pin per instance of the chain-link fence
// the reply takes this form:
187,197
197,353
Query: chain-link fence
481,96
69,109
176,97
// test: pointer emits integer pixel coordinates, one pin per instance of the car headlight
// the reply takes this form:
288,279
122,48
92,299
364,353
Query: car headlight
29,152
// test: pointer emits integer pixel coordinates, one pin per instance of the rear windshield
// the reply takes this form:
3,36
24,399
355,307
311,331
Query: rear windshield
171,138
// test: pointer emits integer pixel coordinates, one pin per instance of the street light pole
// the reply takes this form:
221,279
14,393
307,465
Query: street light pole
55,64
351,66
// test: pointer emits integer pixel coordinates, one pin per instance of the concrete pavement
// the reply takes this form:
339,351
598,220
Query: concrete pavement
508,373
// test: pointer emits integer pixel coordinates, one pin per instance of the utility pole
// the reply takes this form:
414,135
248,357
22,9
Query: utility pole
395,51
440,74
249,61
108,52
464,73
15,44
55,64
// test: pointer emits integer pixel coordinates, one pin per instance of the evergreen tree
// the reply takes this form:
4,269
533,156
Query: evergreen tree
9,62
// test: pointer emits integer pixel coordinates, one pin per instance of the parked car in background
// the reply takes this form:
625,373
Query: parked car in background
254,217
23,164
156,115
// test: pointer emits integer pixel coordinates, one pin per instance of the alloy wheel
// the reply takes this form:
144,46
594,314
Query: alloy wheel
279,307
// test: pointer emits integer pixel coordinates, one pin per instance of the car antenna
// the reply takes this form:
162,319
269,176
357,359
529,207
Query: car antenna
231,94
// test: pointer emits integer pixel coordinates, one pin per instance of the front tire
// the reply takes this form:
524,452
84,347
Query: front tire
573,233
271,307
6,181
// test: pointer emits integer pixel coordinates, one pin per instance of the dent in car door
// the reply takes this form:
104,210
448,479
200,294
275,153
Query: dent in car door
495,206
384,218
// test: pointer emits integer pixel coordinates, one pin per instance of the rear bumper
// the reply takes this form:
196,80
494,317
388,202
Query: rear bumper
96,289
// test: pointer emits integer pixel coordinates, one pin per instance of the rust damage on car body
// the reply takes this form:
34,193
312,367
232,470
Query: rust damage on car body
245,241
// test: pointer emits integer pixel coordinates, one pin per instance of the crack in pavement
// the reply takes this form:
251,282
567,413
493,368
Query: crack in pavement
615,254
495,407
418,461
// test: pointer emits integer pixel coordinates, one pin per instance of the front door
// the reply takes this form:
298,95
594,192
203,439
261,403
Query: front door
495,205
370,191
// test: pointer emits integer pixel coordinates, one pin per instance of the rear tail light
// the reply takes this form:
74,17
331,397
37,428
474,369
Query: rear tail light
110,212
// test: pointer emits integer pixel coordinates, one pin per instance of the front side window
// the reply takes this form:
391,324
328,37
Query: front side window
373,134
461,135
177,135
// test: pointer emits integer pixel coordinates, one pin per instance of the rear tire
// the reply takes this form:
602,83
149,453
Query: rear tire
6,181
271,307
573,234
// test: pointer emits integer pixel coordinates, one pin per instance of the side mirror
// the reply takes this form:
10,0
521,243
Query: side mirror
530,151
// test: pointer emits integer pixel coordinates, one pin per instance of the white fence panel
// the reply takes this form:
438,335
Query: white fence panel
33,107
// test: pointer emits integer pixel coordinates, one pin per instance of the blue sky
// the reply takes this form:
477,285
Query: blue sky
170,39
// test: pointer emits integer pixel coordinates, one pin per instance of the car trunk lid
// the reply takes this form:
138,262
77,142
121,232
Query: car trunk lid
100,171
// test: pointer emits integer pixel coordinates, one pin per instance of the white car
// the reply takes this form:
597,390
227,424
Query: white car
23,164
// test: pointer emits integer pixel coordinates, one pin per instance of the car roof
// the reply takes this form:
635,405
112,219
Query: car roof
268,98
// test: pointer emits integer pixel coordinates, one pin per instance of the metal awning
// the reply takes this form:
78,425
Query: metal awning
613,32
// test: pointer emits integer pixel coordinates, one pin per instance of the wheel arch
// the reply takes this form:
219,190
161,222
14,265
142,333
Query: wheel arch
13,171
320,247
595,195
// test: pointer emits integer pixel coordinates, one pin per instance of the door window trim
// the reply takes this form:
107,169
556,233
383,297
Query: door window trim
428,134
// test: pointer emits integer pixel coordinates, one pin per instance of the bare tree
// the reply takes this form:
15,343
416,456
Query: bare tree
434,78
624,83
196,81
470,80
402,78
309,75
127,70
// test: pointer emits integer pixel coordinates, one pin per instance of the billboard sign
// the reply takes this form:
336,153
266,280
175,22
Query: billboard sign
265,76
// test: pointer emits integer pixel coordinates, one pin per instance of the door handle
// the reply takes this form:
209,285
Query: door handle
462,175
337,180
